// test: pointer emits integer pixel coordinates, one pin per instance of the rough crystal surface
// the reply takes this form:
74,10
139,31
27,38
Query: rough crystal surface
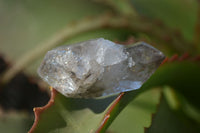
99,67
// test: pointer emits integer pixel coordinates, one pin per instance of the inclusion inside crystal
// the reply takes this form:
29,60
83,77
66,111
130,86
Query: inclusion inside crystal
99,67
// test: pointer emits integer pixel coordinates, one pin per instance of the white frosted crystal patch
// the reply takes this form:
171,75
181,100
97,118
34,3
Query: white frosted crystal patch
109,53
99,67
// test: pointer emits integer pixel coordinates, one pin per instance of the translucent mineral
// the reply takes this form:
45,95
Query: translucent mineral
99,67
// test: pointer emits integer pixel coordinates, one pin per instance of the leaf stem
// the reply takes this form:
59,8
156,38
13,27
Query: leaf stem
123,7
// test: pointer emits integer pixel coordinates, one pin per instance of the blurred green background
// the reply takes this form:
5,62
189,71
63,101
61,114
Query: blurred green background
24,24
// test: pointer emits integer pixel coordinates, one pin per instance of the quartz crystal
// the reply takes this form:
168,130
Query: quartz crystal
99,67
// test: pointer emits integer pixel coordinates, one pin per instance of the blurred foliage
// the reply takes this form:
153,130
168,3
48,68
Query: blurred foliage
167,121
13,122
178,14
172,26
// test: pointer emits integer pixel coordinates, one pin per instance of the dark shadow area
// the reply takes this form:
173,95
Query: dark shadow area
96,105
3,64
22,94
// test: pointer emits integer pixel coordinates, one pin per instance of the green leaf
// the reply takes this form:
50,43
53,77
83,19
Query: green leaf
72,115
85,115
182,76
167,121
172,74
137,114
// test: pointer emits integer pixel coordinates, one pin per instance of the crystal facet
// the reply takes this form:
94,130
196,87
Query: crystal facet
99,67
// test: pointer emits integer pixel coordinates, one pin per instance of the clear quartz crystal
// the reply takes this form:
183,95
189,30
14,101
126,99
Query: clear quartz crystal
99,67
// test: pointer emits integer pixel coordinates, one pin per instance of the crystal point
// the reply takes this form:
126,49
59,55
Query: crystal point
99,67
